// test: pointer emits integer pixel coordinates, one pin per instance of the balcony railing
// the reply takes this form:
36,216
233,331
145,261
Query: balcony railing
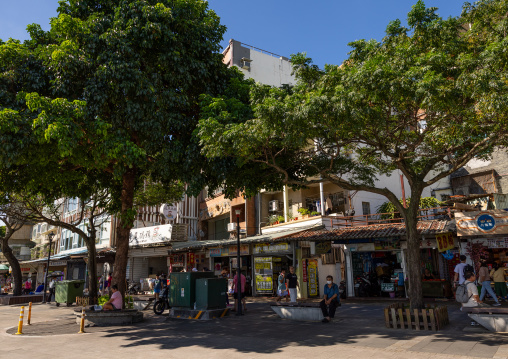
426,214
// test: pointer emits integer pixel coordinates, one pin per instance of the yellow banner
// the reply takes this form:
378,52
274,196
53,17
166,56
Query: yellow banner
445,241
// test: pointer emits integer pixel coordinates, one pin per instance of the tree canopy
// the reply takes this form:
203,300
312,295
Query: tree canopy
420,101
109,94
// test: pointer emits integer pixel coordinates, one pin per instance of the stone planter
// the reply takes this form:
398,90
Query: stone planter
109,318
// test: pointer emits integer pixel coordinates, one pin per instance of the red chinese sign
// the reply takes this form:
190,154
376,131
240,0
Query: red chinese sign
191,261
304,268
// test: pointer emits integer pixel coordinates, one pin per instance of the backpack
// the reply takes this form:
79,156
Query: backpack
467,268
461,295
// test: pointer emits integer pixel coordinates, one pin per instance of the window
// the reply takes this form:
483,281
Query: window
72,204
366,208
221,229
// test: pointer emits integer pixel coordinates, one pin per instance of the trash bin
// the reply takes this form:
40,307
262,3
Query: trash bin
66,291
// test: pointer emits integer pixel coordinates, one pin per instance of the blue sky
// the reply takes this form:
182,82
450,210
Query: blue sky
322,28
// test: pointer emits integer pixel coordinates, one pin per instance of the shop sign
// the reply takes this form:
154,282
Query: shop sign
304,269
244,250
380,245
57,263
148,235
477,223
168,211
191,260
323,247
445,241
313,278
217,252
497,243
269,248
263,272
177,260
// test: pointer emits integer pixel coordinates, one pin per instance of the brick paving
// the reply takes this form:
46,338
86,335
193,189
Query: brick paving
357,332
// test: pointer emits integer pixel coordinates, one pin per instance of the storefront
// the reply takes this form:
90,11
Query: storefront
269,260
226,258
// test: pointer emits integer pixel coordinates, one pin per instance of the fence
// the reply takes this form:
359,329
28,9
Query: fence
397,316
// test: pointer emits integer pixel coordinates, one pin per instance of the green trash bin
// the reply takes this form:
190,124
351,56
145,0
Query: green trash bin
66,291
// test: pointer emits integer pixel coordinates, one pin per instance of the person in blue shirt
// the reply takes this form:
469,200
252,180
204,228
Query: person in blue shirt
157,287
330,300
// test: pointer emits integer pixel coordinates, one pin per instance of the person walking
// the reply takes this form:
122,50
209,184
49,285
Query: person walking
225,275
497,274
292,284
330,300
459,270
239,298
51,287
282,287
484,279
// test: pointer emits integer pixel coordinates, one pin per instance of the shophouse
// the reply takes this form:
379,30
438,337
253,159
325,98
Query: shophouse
20,243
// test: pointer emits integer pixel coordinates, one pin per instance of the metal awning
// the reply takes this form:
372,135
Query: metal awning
272,237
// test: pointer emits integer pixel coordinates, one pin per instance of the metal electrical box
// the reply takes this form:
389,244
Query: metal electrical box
211,293
182,288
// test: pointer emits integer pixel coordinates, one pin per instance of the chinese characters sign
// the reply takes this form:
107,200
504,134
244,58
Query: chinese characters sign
268,248
312,277
264,272
445,241
478,223
148,235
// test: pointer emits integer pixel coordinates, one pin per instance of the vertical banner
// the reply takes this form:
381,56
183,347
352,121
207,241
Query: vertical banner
312,277
304,269
191,260
263,270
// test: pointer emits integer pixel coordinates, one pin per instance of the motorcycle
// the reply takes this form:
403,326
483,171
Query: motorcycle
342,289
133,288
163,302
368,285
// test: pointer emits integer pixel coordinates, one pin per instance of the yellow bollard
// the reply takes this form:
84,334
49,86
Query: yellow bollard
82,325
20,324
29,312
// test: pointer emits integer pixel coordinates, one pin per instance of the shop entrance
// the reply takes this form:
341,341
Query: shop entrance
377,273
266,273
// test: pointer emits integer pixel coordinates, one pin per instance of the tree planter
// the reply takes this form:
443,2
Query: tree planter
398,316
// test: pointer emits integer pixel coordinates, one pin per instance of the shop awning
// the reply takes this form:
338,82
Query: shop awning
272,237
355,234
4,267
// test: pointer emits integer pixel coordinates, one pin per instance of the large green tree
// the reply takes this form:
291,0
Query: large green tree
110,92
418,102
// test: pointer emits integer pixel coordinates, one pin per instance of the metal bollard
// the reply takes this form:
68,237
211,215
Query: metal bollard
20,324
29,312
82,324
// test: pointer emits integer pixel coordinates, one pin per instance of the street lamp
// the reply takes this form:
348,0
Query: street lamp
50,237
238,266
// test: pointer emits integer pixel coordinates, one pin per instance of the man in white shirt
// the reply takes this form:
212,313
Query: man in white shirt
51,287
459,270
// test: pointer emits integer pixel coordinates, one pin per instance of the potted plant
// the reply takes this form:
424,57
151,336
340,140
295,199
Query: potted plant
280,219
304,212
314,213
272,219
289,216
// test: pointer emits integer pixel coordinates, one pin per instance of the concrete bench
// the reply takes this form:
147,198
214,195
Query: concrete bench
22,299
109,317
298,311
492,318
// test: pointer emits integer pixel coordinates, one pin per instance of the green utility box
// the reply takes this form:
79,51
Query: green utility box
66,291
211,293
182,288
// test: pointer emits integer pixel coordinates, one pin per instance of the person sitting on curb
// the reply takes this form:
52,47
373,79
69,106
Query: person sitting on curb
115,303
330,300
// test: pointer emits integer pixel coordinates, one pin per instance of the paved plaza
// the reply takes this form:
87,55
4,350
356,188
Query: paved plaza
357,332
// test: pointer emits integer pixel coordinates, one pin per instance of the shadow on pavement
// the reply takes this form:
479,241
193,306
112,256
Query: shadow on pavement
261,331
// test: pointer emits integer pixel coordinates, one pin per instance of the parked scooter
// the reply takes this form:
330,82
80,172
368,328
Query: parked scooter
342,289
163,302
133,288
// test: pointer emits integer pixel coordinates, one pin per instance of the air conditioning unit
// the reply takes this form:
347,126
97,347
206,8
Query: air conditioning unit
246,63
232,227
273,206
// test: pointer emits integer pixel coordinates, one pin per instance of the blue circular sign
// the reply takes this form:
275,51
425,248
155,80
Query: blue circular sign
486,222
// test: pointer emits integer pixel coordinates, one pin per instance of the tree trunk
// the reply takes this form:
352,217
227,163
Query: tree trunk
123,230
14,263
92,269
413,260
